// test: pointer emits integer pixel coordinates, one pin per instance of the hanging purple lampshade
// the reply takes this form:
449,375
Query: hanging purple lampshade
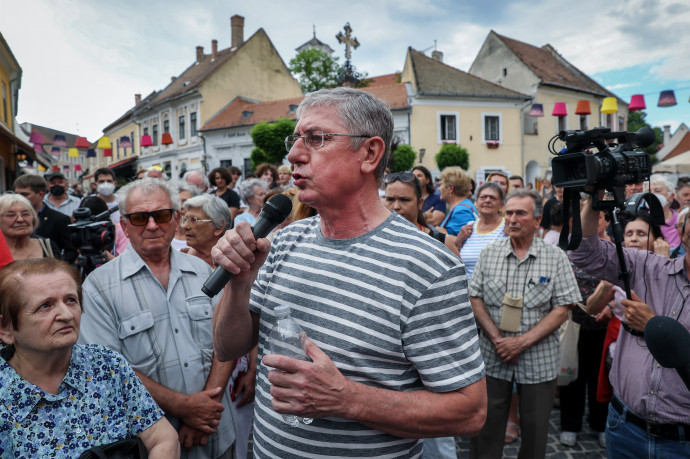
66,167
91,153
36,138
55,151
667,99
537,110
59,140
125,142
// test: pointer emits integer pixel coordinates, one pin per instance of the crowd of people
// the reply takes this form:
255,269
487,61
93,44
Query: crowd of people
431,310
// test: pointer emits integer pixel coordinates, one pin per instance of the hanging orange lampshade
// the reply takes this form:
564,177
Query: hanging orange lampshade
637,103
107,152
609,105
73,153
167,139
146,141
667,99
103,142
81,142
583,108
560,109
55,168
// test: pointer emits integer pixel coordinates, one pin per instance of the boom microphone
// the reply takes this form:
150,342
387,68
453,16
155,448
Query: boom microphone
668,341
276,210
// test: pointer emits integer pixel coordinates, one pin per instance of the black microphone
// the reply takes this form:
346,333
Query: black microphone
668,341
276,210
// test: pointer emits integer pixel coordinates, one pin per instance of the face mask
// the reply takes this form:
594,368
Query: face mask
106,188
57,190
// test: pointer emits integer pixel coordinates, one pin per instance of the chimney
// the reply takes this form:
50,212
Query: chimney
137,99
214,49
437,55
237,27
173,78
667,134
199,53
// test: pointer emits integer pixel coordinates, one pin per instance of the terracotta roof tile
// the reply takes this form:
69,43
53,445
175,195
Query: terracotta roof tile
436,78
552,68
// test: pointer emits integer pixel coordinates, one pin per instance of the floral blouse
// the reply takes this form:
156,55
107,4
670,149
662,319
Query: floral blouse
100,400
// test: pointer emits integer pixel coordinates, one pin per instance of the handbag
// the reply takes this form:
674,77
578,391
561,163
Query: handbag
569,337
129,448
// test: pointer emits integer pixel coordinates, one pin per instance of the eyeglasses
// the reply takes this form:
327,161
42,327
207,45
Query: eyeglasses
193,220
14,215
488,197
315,139
142,218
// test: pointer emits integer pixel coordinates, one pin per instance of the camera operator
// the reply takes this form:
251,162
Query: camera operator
650,410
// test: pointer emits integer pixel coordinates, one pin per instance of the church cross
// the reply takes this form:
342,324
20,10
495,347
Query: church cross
348,40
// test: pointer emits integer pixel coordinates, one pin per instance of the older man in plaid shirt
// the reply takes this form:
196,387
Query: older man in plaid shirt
520,291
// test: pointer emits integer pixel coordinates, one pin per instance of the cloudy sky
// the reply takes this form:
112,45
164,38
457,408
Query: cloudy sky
83,60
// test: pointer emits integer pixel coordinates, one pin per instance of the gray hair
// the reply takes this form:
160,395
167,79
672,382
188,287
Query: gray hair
494,186
663,181
214,207
526,192
147,185
188,187
204,179
247,188
360,113
7,200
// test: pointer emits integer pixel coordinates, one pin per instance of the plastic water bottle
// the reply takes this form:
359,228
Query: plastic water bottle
287,338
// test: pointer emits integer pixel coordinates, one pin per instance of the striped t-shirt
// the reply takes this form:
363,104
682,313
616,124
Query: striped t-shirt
476,242
390,308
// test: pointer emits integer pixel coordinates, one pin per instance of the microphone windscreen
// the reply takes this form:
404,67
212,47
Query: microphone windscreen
668,341
278,208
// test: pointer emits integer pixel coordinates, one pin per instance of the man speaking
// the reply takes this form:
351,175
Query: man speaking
392,337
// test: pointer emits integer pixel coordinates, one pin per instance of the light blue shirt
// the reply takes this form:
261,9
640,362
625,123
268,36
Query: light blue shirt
67,207
245,217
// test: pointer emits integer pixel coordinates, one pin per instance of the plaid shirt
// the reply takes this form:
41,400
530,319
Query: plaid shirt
544,278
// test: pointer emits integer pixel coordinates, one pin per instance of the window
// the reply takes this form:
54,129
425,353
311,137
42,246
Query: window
584,122
155,134
448,127
491,127
225,162
562,124
117,148
192,124
66,157
146,131
181,132
621,123
4,102
81,160
68,174
530,124
166,126
609,121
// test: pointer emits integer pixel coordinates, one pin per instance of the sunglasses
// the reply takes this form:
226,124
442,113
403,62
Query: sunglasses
142,218
404,177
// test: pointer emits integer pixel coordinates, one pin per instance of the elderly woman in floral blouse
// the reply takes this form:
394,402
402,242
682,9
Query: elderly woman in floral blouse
58,398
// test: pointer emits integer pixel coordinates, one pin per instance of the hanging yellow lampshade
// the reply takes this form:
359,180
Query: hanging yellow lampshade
103,142
73,153
610,105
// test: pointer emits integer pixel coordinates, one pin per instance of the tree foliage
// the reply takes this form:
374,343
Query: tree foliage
452,155
636,121
315,70
269,141
402,158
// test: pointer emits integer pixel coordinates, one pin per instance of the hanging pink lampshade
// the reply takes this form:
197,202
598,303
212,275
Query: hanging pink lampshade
81,142
38,147
125,142
537,110
559,109
36,138
146,141
59,140
583,108
77,168
667,99
167,139
637,103
107,152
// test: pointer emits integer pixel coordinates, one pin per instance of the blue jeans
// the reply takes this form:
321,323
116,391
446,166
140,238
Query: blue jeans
626,440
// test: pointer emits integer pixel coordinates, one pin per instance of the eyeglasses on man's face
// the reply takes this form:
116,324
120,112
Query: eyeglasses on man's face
315,139
194,220
142,218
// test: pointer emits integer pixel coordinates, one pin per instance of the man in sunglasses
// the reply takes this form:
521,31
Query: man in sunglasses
391,335
147,305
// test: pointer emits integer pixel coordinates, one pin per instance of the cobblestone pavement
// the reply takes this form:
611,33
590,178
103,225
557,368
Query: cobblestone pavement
587,445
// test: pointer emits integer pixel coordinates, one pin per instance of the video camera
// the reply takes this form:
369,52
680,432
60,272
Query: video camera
576,167
92,235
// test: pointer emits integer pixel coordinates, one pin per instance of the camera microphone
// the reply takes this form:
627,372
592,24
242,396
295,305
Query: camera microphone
644,137
668,342
276,210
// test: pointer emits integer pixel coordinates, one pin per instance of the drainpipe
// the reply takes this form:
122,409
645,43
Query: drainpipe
522,140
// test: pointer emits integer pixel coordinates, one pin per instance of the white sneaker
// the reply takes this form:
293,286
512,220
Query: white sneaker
602,439
568,438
